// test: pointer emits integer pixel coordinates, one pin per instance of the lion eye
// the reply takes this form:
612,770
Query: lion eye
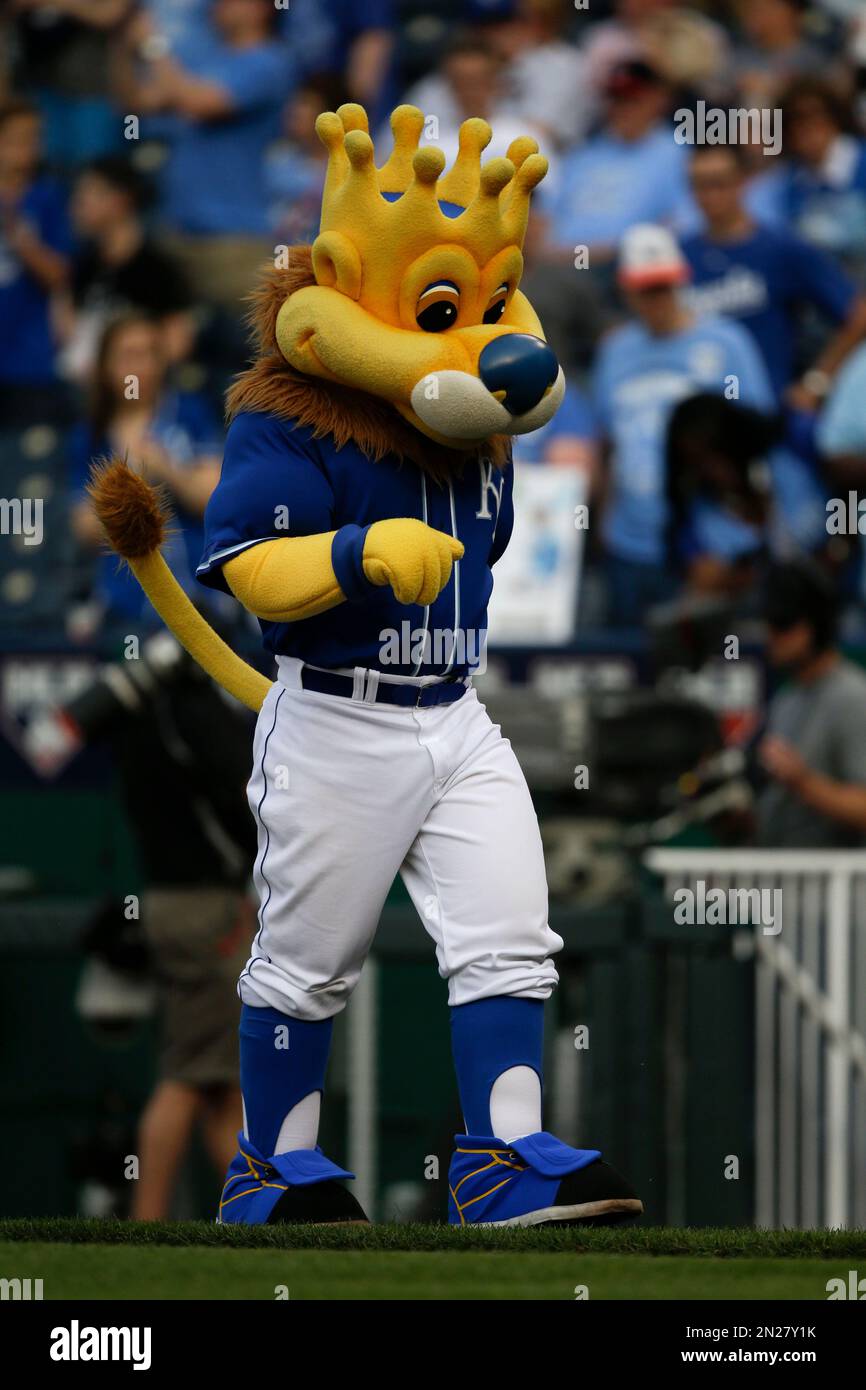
437,307
496,308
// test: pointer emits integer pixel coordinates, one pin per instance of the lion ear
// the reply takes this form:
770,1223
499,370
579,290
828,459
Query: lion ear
273,288
336,264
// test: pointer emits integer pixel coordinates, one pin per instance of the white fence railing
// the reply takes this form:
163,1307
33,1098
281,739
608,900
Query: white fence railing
810,1024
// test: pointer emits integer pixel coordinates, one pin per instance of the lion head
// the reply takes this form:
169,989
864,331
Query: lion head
415,297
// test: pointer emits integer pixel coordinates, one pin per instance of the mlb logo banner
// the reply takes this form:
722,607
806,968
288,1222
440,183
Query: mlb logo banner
33,691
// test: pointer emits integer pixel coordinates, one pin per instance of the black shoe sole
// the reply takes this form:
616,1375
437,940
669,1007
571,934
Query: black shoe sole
609,1213
596,1195
318,1204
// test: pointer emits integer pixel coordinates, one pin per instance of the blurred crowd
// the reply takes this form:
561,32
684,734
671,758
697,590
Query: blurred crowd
708,300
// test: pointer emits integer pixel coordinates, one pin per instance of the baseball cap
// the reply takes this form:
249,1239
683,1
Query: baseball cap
650,256
630,77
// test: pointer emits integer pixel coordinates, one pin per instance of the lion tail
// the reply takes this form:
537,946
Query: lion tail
136,521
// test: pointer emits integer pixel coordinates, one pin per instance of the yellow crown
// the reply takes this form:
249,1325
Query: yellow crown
396,212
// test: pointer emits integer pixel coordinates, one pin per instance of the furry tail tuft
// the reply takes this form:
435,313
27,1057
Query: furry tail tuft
132,511
136,520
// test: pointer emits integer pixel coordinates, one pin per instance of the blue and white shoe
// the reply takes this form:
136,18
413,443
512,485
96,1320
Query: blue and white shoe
299,1187
534,1181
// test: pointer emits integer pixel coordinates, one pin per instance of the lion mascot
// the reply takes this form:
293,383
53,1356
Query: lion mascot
366,494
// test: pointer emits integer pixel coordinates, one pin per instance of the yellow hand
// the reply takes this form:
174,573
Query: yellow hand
412,557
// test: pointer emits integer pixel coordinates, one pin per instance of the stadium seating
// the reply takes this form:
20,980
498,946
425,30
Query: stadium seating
40,571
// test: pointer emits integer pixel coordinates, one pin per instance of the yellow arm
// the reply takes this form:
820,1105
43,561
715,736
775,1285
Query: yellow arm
292,578
282,581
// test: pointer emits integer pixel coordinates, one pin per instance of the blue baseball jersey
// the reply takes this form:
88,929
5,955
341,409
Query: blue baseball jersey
762,280
278,481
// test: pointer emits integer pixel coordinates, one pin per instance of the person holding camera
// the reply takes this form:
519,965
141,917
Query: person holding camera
814,747
181,751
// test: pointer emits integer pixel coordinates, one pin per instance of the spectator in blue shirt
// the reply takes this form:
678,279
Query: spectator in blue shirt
226,98
170,435
776,48
295,166
471,80
765,276
34,264
632,171
821,192
664,355
841,432
350,38
62,53
181,23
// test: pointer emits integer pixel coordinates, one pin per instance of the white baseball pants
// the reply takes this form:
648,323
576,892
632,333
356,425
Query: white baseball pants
347,795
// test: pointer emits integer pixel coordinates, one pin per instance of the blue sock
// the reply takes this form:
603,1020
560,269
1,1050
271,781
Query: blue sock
489,1037
282,1060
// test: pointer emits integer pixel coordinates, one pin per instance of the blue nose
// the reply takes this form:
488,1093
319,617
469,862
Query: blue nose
520,365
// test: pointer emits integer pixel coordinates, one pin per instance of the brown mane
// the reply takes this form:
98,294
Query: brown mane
271,386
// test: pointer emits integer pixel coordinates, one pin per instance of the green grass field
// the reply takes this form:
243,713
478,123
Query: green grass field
194,1260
